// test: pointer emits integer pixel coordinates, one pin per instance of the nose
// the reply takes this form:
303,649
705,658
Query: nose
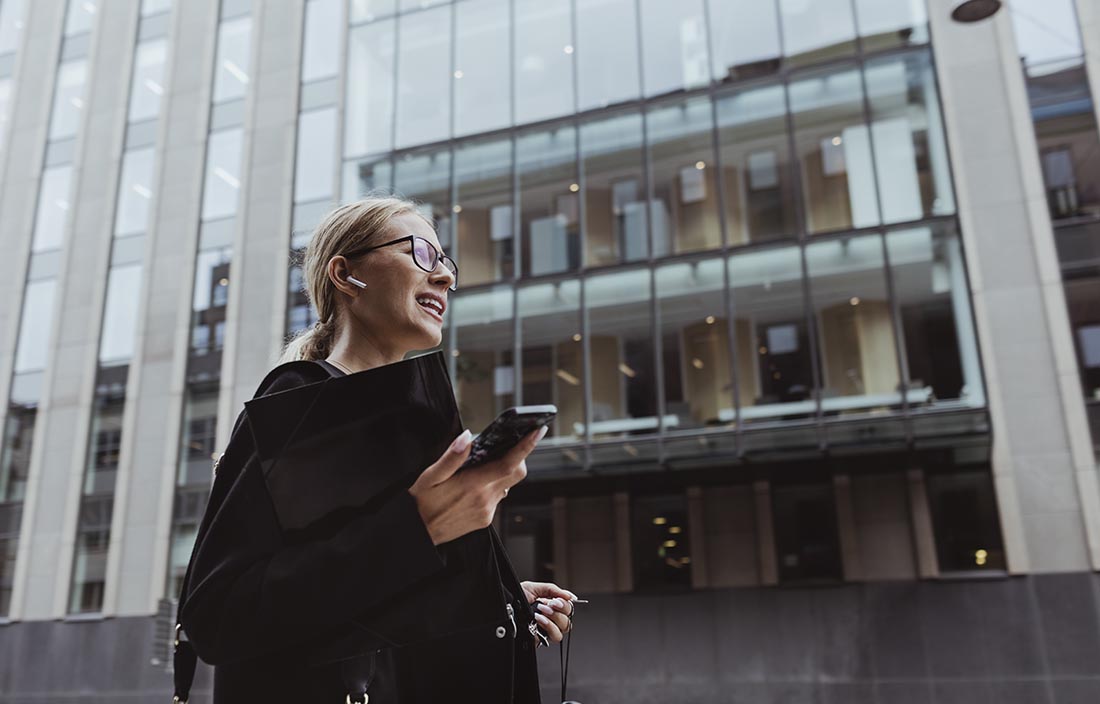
443,275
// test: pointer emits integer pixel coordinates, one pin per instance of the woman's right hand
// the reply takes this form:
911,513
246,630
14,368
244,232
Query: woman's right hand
454,503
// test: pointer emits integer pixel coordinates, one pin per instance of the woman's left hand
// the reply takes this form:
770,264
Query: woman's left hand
553,607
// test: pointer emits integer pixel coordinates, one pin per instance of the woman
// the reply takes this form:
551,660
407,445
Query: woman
379,281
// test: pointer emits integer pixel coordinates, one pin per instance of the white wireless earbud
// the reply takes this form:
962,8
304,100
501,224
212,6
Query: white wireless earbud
357,282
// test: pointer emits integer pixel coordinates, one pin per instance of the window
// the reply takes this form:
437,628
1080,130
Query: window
80,16
135,192
52,214
361,177
11,30
816,29
544,59
34,326
804,519
620,348
549,201
483,211
674,46
367,10
426,178
485,373
424,77
147,84
233,63
369,97
315,164
662,548
744,37
614,190
320,51
118,337
482,79
553,368
200,428
756,173
964,517
888,24
223,172
68,99
607,61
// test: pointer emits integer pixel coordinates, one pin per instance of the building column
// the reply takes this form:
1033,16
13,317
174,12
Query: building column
697,526
846,529
924,539
1043,466
765,533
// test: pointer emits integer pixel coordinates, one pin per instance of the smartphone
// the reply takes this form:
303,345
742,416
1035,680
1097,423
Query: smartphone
505,432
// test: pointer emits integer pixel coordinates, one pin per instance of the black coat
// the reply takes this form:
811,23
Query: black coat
277,621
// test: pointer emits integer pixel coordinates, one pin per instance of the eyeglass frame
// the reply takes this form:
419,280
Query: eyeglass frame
439,255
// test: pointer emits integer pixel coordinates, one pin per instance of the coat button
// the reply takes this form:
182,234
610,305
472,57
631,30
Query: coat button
501,632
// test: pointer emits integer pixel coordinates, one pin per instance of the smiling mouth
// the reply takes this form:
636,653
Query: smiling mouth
431,310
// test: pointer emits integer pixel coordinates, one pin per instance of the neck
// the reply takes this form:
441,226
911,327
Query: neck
358,352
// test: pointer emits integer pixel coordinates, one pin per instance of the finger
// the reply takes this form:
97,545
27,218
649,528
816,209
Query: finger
562,618
551,590
445,467
552,631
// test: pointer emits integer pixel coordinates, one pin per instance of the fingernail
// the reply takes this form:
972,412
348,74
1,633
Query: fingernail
542,433
545,609
541,619
461,442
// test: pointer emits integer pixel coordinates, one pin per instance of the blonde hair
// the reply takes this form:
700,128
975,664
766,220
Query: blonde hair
352,226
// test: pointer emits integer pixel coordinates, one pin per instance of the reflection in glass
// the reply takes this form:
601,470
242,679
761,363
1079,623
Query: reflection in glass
368,107
834,151
9,545
231,73
210,296
816,29
756,174
549,201
135,191
316,161
426,178
11,28
482,81
483,211
154,7
544,59
52,212
361,177
883,25
775,362
964,518
695,345
200,416
367,10
684,212
607,61
68,99
89,570
662,548
620,348
806,538
914,178
424,77
1046,30
855,328
552,358
485,375
116,340
147,84
744,38
929,280
223,173
614,190
80,16
15,461
34,326
320,50
674,41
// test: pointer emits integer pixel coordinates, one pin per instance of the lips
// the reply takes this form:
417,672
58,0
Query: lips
433,304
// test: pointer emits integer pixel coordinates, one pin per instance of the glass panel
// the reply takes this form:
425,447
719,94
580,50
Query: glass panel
11,27
756,174
483,207
964,517
367,10
34,326
805,533
315,165
153,7
361,177
607,68
854,323
684,212
620,348
483,91
744,37
223,172
695,345
16,457
211,293
544,59
1046,30
426,178
929,278
883,25
549,201
914,177
485,378
200,419
135,191
68,99
614,188
9,546
838,184
320,50
529,539
53,208
775,362
553,368
147,84
80,16
102,463
89,570
662,547
233,65
5,102
424,77
674,45
116,341
369,98
817,29
406,5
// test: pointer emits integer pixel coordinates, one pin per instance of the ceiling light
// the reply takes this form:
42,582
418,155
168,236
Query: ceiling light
854,300
975,10
660,521
710,320
700,165
458,73
573,187
568,378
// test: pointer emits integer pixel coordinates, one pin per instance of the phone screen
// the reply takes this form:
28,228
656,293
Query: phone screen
511,426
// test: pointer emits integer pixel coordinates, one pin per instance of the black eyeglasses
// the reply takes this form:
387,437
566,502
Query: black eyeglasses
423,252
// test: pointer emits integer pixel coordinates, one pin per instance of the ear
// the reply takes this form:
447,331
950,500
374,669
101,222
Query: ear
340,275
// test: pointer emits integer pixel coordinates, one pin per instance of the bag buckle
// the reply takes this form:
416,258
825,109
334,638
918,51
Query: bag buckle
349,700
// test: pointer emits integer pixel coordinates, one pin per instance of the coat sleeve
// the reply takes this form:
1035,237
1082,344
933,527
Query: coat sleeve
249,594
